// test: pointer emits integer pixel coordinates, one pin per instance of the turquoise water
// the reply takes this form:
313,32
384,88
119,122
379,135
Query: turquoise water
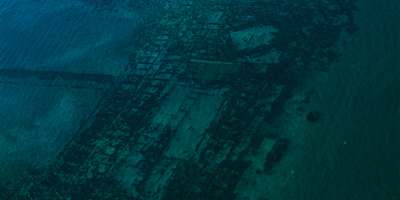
64,36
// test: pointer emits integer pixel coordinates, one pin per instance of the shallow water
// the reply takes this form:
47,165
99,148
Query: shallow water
353,152
63,36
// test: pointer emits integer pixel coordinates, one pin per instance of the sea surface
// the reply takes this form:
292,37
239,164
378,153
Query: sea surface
353,152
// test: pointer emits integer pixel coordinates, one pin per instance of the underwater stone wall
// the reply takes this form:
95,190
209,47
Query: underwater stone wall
183,121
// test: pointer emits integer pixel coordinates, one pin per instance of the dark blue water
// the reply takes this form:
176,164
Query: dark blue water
354,153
